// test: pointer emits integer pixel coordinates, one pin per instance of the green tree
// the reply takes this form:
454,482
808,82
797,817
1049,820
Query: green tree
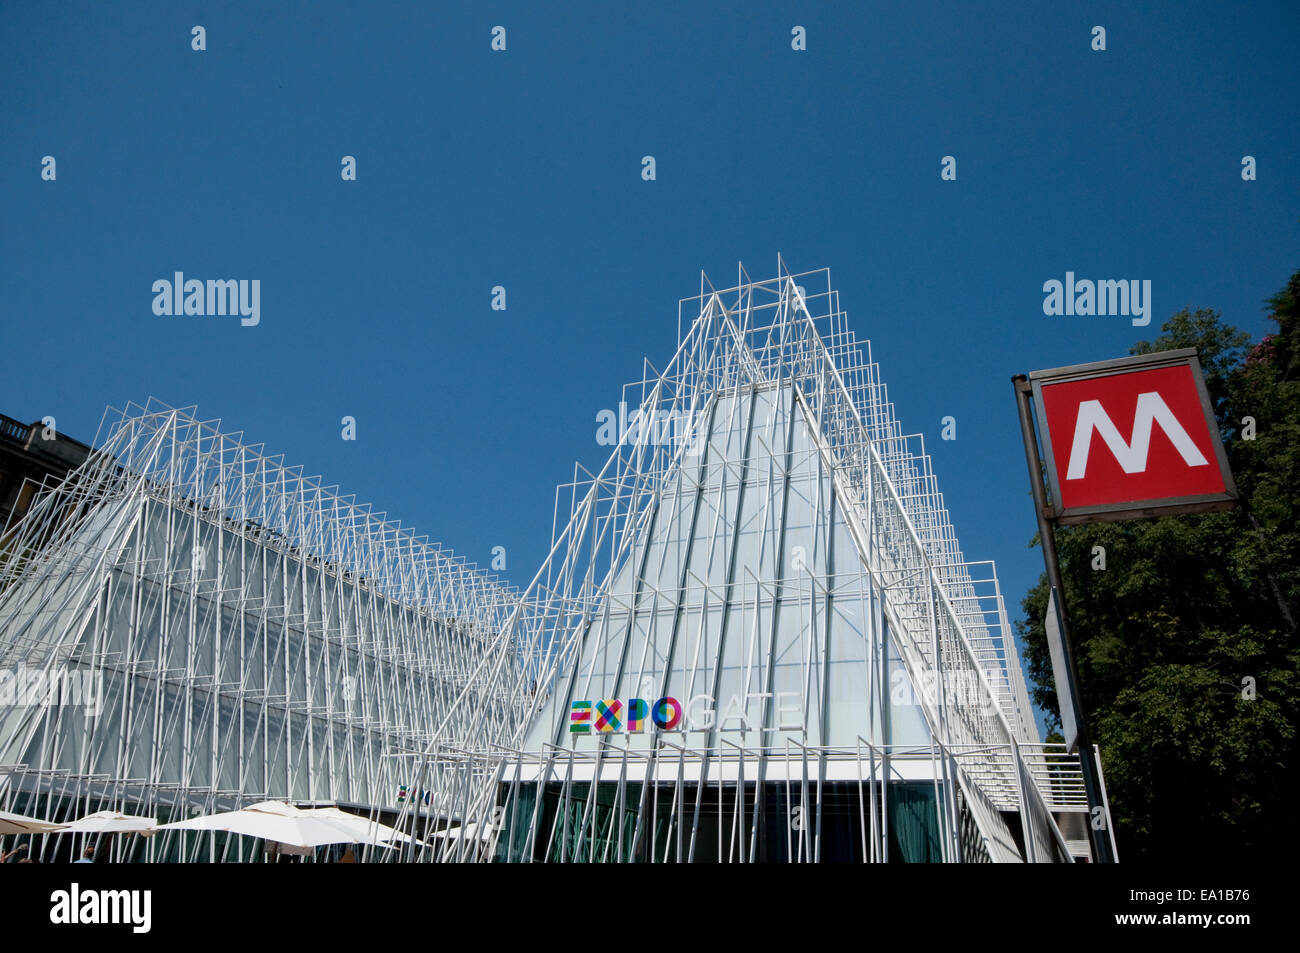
1186,643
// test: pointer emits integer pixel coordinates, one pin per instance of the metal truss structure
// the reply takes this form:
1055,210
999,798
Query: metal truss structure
240,632
755,636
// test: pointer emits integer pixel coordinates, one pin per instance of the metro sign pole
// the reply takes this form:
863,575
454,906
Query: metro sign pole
1172,462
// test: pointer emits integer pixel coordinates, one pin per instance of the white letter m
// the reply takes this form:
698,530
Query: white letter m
1132,457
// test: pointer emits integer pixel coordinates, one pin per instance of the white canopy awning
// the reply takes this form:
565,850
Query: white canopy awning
275,821
20,824
302,827
111,822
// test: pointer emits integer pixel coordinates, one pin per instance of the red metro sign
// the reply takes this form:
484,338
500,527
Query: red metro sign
1129,438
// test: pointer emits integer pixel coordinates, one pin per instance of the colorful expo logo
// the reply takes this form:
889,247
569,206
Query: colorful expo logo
612,715
698,714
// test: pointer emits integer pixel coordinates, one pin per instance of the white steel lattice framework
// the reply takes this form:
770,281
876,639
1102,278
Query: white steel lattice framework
251,633
769,552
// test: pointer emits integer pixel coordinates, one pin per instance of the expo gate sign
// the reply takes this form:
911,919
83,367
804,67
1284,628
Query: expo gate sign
1134,437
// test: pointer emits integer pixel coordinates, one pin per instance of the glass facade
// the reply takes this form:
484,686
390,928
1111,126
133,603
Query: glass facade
764,625
745,600
667,824
246,634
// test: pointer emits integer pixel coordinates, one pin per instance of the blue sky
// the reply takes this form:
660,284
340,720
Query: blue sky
522,169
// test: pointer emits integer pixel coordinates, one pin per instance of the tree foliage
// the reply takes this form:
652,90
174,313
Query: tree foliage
1186,643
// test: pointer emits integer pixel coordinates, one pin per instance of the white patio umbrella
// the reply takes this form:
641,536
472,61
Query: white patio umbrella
459,833
273,821
20,824
110,822
368,831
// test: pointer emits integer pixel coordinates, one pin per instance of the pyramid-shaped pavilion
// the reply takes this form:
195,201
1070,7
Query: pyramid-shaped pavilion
755,637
